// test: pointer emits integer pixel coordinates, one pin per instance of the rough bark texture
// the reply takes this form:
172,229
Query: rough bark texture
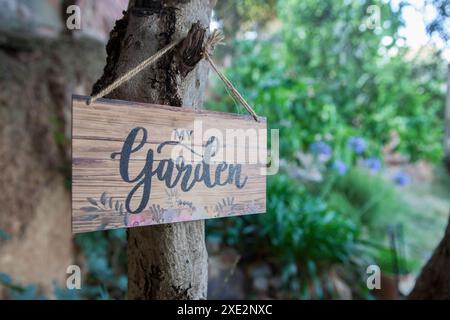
434,280
167,261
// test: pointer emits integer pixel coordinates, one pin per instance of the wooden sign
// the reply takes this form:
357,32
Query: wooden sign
136,164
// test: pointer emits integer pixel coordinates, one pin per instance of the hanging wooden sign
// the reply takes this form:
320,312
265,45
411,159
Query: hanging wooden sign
136,164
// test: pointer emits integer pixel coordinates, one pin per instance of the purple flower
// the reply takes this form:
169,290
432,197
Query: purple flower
401,178
320,148
339,166
372,163
357,144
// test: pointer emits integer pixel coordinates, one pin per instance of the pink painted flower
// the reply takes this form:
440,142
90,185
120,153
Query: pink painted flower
135,220
184,217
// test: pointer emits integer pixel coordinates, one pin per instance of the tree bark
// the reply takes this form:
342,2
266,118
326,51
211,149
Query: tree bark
434,280
166,261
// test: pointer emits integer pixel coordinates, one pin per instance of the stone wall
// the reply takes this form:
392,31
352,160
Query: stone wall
41,66
47,18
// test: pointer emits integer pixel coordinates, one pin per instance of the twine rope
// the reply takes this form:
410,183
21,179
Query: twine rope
213,40
130,74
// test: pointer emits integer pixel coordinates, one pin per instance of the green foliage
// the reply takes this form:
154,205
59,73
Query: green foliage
439,24
301,226
103,270
105,254
390,262
7,282
375,206
299,234
368,199
244,14
16,291
326,76
29,292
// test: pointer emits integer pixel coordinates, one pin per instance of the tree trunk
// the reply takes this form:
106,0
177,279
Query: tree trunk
166,261
434,280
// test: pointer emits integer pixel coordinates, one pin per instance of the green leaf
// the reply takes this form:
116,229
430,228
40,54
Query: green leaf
5,279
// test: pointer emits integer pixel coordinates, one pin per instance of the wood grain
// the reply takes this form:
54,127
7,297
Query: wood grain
99,191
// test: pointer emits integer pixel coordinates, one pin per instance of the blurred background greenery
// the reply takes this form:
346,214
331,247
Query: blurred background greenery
360,115
361,180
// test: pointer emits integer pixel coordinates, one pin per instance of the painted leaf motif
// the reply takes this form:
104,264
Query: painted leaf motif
92,201
89,217
103,198
89,209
